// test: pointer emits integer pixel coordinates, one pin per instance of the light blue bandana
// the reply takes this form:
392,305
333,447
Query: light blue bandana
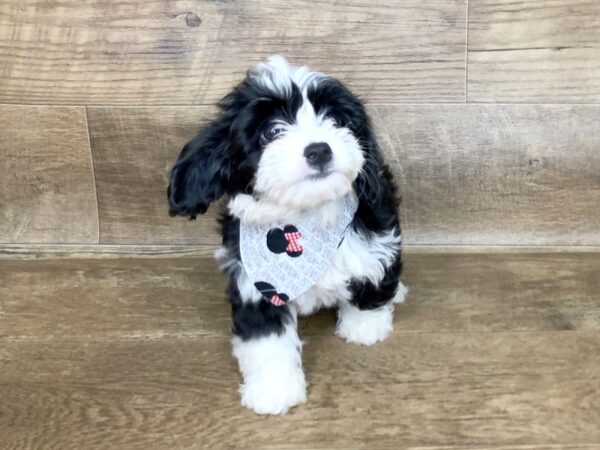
285,259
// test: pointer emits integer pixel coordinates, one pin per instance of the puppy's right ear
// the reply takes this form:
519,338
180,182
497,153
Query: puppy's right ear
202,172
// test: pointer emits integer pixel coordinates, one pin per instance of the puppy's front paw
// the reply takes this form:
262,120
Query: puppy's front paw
274,393
365,327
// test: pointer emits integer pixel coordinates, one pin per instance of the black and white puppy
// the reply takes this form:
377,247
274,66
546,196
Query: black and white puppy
289,142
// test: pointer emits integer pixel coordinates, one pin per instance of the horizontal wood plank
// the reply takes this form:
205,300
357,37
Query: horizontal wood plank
107,251
185,297
46,181
418,390
50,251
534,51
189,52
469,174
495,174
134,150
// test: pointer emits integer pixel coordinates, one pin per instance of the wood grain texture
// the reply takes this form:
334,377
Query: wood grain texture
469,174
534,51
50,251
425,390
46,180
188,52
104,251
495,174
134,150
185,297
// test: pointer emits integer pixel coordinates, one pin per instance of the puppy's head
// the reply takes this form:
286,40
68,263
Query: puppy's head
286,134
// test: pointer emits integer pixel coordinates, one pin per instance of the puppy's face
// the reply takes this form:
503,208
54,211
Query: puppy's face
285,134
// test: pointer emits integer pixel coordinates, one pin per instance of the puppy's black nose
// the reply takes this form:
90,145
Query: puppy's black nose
318,155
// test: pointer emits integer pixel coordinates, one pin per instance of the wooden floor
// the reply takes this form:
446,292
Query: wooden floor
497,350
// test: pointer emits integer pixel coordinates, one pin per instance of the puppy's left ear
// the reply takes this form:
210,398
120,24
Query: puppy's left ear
202,172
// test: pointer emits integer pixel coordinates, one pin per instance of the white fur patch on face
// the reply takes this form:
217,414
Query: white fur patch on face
277,75
285,177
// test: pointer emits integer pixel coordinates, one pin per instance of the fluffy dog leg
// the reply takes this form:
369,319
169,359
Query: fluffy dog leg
365,326
272,370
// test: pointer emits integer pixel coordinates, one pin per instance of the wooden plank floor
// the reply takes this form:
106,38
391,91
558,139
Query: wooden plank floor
498,351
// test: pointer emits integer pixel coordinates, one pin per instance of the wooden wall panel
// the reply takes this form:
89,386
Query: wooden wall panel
495,174
190,52
469,174
134,150
534,51
46,180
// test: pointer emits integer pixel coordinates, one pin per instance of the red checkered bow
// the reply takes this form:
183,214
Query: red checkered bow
276,300
293,246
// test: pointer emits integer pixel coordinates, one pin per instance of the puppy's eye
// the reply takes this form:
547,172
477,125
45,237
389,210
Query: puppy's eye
272,132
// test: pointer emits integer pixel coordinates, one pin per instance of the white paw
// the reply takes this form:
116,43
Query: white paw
272,370
365,327
274,393
400,294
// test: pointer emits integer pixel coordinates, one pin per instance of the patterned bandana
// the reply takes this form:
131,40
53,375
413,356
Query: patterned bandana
286,259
